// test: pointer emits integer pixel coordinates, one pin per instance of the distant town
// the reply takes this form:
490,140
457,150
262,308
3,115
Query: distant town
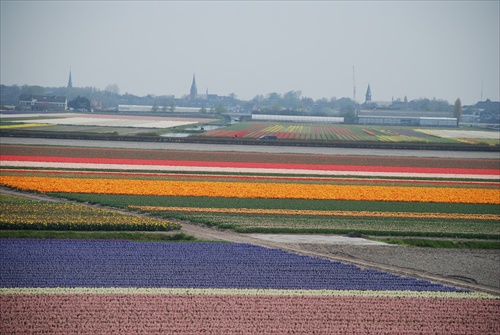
422,111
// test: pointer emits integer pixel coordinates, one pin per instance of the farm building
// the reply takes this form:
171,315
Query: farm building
408,121
43,102
297,118
143,108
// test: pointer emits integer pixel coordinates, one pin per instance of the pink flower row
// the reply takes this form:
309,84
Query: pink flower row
252,165
227,314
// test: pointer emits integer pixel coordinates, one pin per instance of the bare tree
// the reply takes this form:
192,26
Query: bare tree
113,88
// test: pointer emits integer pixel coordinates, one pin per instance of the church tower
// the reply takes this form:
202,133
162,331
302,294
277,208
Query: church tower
70,82
194,91
368,96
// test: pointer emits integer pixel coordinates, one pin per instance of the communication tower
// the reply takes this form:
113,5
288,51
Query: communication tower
353,85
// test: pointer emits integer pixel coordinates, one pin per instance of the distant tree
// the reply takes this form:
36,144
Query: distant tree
220,109
457,110
113,88
308,103
155,107
273,98
258,99
164,108
344,102
291,99
80,103
35,90
9,95
349,113
203,109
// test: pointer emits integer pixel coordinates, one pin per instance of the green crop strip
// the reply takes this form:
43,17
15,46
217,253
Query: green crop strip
299,204
449,244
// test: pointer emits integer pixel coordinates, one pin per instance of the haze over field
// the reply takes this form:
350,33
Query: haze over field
445,49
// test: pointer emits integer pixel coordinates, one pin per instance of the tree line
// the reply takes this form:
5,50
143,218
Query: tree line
291,102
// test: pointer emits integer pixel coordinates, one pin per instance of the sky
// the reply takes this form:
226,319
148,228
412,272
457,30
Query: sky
418,49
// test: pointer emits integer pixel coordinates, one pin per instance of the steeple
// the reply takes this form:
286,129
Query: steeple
70,82
368,96
194,91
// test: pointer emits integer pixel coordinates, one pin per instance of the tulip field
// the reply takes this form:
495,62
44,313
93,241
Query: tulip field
17,213
351,133
70,286
256,192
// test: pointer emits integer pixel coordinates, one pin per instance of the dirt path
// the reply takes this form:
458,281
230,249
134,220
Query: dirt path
477,270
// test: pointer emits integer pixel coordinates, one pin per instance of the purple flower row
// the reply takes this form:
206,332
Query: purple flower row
94,263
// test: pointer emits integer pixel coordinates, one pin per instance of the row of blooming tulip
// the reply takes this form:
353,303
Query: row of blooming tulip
245,157
122,159
75,286
254,223
18,214
325,132
229,314
140,163
455,216
23,125
253,190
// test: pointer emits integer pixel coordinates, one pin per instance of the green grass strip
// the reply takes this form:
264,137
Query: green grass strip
298,204
448,244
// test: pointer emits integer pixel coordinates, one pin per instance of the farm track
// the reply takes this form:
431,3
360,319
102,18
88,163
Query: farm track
457,268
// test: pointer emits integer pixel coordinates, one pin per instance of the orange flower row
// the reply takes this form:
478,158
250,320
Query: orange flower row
321,212
253,190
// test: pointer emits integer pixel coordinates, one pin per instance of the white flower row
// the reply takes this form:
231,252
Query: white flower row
101,122
246,292
140,167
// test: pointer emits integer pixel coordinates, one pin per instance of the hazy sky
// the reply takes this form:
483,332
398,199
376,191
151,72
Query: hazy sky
444,50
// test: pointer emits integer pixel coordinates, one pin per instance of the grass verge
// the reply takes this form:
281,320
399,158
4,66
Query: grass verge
448,244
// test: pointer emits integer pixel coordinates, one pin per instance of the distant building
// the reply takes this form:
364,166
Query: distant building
193,93
70,82
43,102
407,121
149,108
368,95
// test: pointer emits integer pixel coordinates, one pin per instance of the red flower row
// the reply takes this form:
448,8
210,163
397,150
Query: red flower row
261,165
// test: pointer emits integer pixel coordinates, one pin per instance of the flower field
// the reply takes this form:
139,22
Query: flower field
101,120
255,192
347,133
231,162
64,286
16,213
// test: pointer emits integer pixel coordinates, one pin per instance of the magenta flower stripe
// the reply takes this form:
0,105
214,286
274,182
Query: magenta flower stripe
255,165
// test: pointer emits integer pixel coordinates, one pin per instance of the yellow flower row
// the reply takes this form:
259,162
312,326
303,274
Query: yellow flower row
321,212
74,217
25,125
253,190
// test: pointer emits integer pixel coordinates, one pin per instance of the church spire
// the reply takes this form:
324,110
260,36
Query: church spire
70,82
368,96
194,91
